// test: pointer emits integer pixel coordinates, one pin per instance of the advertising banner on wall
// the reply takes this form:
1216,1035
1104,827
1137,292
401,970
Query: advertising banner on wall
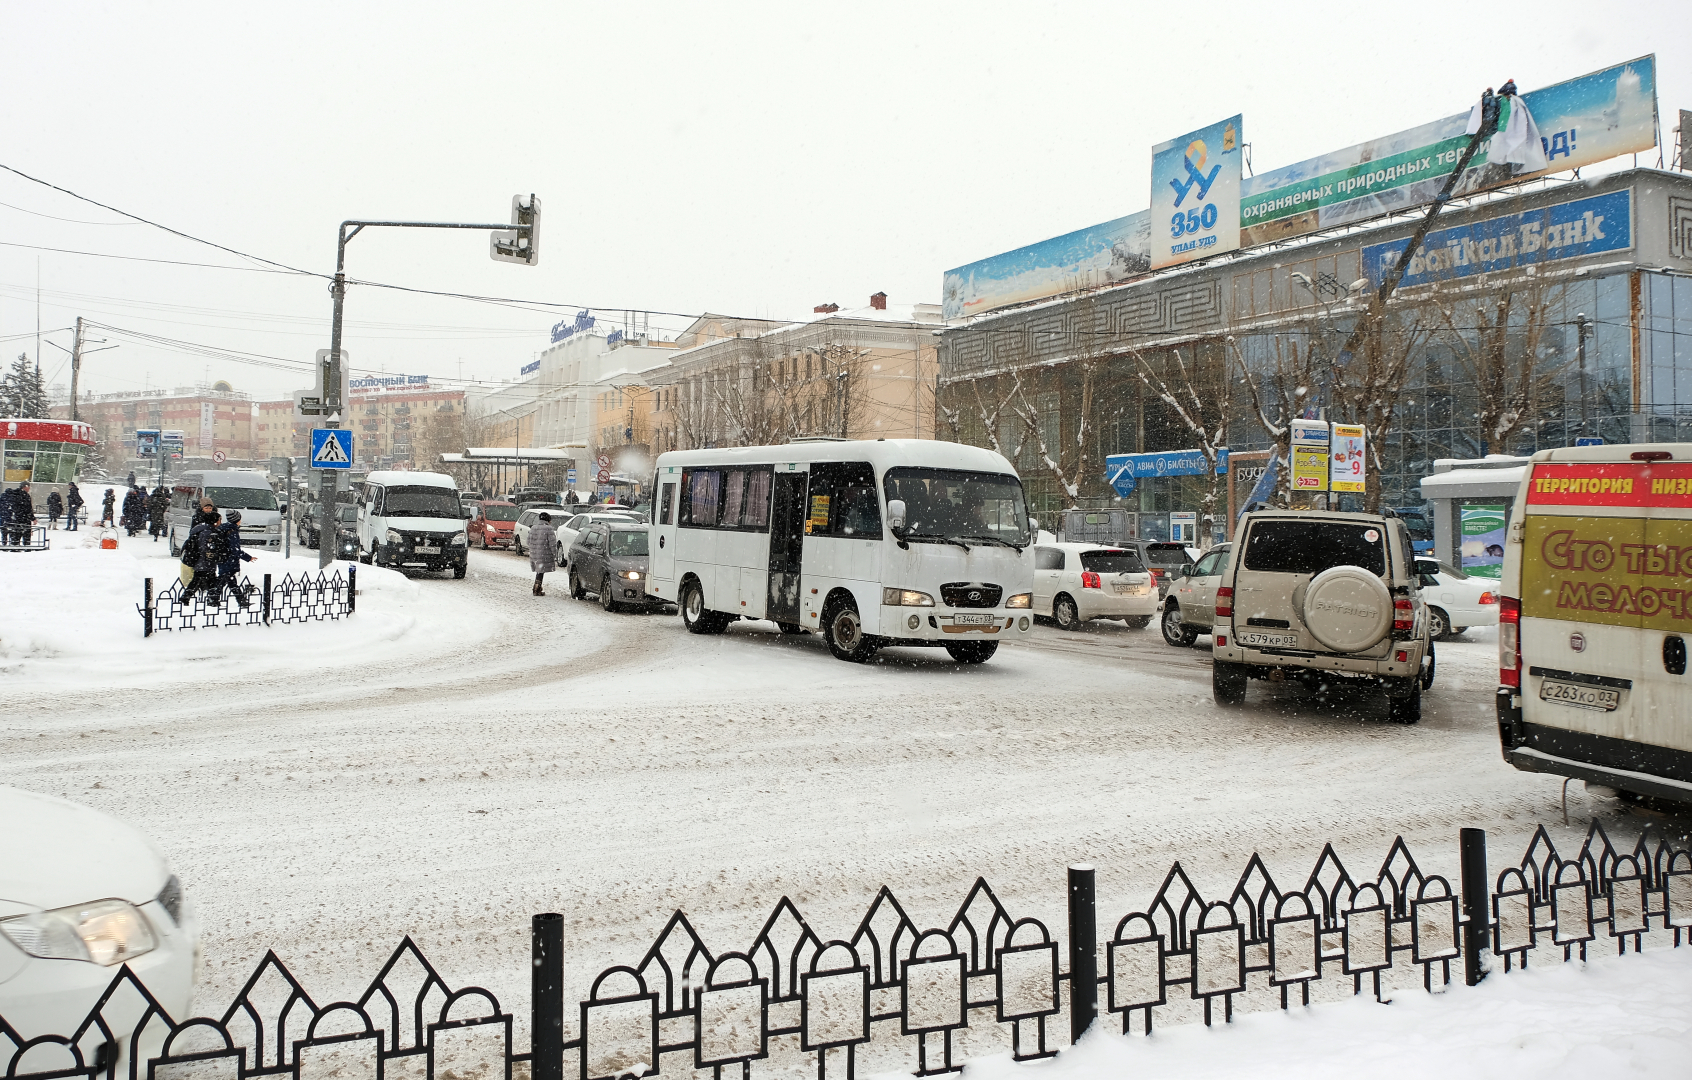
208,417
1348,469
1602,115
1563,231
1084,259
1195,192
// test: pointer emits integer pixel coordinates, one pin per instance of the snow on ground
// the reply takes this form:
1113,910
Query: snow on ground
1618,1016
460,755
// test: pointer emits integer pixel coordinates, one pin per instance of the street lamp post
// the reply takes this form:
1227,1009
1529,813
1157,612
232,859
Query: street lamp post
1582,325
518,241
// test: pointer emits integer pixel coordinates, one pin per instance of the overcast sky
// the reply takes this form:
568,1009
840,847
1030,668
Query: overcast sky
738,158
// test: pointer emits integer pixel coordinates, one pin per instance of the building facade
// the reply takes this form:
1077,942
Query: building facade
213,419
396,425
1533,316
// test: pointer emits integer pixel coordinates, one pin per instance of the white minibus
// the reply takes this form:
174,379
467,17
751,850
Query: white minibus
890,542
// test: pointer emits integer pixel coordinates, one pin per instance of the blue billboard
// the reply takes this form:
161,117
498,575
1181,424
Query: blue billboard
1123,470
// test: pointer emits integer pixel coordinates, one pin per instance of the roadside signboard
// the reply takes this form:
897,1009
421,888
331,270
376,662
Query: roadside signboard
146,442
1584,440
1348,470
1195,192
1310,453
331,448
219,457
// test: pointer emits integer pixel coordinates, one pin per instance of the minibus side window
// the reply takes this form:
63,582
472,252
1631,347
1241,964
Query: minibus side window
702,491
843,494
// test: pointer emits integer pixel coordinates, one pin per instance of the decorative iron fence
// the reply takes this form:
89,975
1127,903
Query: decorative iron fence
293,599
793,998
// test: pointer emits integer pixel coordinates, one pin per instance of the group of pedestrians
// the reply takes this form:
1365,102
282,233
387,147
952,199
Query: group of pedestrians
67,506
212,557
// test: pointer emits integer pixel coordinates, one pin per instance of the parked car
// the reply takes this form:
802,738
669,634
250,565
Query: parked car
494,523
1320,597
1161,558
306,532
610,560
1190,608
1077,582
567,530
1456,601
527,517
84,895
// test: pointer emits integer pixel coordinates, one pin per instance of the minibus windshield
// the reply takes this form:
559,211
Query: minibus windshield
416,500
948,505
242,498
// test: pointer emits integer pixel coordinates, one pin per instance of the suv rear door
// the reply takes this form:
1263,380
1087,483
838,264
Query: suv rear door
1278,557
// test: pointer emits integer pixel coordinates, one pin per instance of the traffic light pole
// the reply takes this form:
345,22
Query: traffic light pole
523,247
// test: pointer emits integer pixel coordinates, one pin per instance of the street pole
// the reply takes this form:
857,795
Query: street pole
76,365
1582,323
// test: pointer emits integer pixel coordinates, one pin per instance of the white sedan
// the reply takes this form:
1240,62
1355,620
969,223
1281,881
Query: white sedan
1074,583
81,895
569,530
1456,601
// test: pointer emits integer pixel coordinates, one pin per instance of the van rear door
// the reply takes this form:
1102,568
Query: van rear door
1582,628
1665,604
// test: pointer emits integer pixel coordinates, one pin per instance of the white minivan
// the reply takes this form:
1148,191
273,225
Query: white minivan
248,492
1594,619
413,519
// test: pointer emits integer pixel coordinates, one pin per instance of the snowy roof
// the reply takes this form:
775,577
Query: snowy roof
1465,483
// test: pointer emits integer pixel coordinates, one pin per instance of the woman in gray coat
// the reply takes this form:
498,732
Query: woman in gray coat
543,550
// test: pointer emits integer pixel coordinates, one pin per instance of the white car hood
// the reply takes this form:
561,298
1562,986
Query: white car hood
54,853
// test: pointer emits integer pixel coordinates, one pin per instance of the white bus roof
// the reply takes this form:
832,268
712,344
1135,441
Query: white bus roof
416,479
881,453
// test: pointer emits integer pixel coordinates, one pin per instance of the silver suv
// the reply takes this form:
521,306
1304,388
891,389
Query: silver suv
1319,596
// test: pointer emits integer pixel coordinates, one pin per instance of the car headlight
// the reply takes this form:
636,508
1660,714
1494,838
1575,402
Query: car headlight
1020,600
906,598
632,575
457,538
394,536
104,932
273,528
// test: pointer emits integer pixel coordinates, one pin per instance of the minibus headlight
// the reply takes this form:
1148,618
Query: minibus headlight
394,536
906,598
1020,600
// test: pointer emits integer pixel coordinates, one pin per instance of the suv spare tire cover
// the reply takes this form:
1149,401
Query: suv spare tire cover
1347,609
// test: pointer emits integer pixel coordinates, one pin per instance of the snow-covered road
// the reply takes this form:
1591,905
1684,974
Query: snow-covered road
461,755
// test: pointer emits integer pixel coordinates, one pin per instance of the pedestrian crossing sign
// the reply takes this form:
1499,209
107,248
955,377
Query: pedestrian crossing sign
331,448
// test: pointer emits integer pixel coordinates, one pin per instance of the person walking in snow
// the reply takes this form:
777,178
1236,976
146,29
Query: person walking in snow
157,505
131,480
543,550
201,554
73,506
106,507
134,509
229,565
55,507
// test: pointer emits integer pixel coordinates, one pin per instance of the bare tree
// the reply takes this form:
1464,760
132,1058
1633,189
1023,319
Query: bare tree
1184,391
1280,384
1497,342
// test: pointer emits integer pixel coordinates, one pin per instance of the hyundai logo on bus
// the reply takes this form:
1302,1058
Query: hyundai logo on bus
1122,470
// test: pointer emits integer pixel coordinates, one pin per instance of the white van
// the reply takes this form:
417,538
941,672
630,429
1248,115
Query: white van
1594,617
413,519
248,492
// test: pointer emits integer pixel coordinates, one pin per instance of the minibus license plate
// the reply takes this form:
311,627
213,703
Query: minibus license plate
1578,696
1267,641
427,549
973,620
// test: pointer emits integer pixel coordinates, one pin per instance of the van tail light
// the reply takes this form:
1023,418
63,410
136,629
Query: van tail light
1090,580
1225,602
1403,615
1509,642
1489,598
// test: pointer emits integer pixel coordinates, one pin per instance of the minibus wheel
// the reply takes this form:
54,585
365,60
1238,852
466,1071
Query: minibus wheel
973,652
844,631
694,615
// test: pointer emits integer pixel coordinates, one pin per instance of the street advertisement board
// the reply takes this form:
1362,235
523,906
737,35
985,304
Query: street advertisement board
1123,470
1482,551
173,440
1347,471
1563,231
1310,452
146,442
1087,258
1601,115
1195,194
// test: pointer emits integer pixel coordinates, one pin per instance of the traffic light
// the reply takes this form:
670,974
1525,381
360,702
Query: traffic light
522,244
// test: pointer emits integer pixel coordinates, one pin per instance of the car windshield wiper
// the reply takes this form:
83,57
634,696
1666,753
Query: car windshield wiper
934,536
996,540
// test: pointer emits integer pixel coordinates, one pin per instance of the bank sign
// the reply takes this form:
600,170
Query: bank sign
1564,231
1123,470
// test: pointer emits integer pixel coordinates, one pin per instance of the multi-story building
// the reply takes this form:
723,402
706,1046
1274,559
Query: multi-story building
862,373
215,419
398,421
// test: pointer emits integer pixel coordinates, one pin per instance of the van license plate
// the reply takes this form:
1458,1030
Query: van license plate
1578,696
1267,641
973,620
427,549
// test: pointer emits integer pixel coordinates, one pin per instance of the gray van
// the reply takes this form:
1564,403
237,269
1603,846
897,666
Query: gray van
248,492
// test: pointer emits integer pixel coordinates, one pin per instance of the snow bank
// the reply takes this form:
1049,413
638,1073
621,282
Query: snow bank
71,619
1617,1016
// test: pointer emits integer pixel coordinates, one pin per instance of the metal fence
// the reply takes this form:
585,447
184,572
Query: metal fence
293,599
793,1000
23,538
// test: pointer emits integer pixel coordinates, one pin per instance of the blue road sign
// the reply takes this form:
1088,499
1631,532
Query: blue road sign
1590,440
331,448
570,477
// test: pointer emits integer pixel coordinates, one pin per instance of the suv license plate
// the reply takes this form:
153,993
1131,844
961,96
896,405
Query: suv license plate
1579,696
973,620
1270,641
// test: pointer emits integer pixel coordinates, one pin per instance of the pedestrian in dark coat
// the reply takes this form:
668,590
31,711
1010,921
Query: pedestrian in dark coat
73,506
106,507
229,566
19,514
201,554
55,507
158,504
134,510
131,480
